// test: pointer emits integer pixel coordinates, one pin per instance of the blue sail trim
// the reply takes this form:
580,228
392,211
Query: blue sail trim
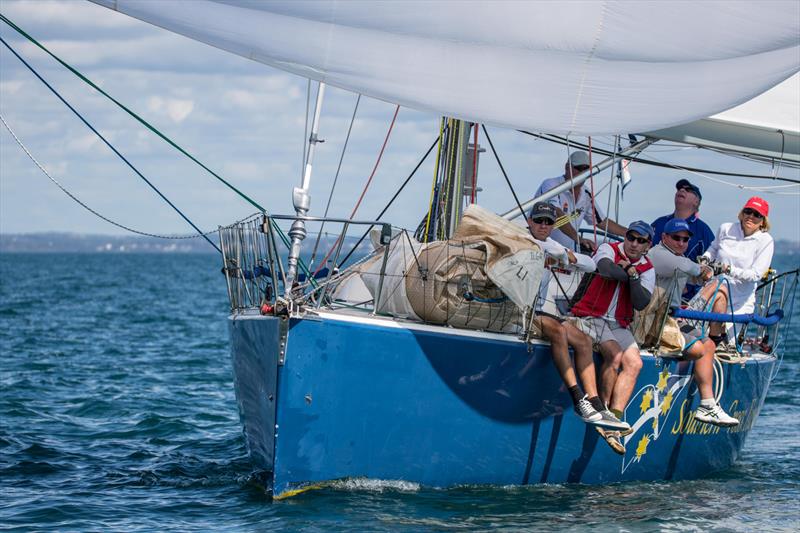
691,314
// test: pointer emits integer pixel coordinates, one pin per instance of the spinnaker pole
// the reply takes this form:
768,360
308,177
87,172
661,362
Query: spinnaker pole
302,199
580,178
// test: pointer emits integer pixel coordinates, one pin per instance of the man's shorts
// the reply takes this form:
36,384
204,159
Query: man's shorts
536,328
601,330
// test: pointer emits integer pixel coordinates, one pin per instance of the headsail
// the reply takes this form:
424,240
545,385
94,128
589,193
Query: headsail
579,67
767,126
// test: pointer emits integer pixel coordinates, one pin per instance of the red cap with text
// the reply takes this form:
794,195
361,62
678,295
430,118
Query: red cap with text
758,204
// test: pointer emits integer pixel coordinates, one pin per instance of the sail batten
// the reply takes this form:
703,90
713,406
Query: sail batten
560,67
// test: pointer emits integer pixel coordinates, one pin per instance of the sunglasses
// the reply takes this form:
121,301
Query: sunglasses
751,213
544,221
581,168
641,240
687,189
679,238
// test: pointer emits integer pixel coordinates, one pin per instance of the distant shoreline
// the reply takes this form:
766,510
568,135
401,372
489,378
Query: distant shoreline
56,242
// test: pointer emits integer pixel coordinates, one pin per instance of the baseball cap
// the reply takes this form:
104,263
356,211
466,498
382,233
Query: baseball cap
757,204
684,183
675,225
543,209
579,159
642,228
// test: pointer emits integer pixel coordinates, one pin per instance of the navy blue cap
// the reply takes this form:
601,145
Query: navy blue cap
642,228
684,183
543,209
675,225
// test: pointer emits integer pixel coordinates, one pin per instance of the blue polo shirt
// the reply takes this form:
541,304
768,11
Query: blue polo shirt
701,240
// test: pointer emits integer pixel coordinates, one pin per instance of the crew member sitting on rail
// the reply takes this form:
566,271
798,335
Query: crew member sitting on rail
562,335
625,282
673,271
743,250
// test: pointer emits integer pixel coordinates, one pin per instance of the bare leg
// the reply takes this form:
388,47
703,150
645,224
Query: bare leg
720,304
584,360
612,360
702,352
554,331
626,381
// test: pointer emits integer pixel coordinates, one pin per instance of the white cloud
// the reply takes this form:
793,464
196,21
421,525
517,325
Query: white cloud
176,109
11,86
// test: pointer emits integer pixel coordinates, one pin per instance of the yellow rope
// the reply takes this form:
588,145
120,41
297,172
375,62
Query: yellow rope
433,183
300,490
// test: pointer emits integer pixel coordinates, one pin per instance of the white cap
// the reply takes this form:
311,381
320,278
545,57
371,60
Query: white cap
579,159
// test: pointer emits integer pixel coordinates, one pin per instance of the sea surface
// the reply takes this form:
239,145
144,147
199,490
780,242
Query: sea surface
117,412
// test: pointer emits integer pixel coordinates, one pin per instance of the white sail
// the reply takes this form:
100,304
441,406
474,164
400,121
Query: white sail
580,67
766,126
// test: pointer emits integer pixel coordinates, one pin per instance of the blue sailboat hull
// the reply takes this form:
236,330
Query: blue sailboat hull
374,398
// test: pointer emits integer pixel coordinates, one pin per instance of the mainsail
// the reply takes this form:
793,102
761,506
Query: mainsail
580,67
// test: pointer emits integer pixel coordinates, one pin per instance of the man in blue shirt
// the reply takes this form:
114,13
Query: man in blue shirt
687,202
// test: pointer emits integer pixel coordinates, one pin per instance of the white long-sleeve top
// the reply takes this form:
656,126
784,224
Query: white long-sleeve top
749,258
673,271
557,251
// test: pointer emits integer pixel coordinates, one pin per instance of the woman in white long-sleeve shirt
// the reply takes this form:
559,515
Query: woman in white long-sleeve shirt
745,248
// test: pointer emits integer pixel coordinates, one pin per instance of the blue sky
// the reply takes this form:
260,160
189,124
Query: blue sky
246,121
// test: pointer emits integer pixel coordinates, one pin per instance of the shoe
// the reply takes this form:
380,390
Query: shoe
715,416
587,413
609,420
725,347
613,439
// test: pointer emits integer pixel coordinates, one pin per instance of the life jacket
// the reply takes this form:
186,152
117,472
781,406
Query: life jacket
600,291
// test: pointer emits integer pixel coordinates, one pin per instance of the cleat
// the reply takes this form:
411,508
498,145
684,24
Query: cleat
610,421
613,439
587,413
716,416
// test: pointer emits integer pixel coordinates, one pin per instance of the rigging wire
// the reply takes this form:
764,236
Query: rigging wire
503,170
139,119
85,206
335,180
111,146
394,197
559,140
364,191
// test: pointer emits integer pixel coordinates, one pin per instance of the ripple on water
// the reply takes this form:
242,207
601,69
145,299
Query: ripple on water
117,413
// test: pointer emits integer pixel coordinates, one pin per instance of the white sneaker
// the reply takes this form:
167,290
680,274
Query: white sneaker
716,416
587,413
610,421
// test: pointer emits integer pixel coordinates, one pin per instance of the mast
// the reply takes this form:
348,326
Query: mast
302,199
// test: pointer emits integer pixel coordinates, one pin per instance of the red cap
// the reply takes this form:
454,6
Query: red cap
757,204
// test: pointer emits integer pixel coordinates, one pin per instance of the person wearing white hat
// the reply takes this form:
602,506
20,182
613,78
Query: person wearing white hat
577,203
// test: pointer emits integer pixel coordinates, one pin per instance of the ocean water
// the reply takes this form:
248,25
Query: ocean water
117,412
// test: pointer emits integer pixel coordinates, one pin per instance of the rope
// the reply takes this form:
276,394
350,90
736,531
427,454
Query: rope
82,204
366,186
146,124
559,140
591,196
129,112
433,183
391,201
335,179
107,143
474,166
503,170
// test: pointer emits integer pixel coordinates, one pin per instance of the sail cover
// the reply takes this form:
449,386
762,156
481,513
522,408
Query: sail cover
581,67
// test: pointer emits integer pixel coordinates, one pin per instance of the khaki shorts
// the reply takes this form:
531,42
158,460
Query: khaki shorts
601,330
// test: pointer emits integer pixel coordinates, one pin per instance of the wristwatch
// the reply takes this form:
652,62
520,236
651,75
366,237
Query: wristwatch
635,274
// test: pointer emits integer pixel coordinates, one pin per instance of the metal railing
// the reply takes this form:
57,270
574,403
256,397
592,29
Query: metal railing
254,260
